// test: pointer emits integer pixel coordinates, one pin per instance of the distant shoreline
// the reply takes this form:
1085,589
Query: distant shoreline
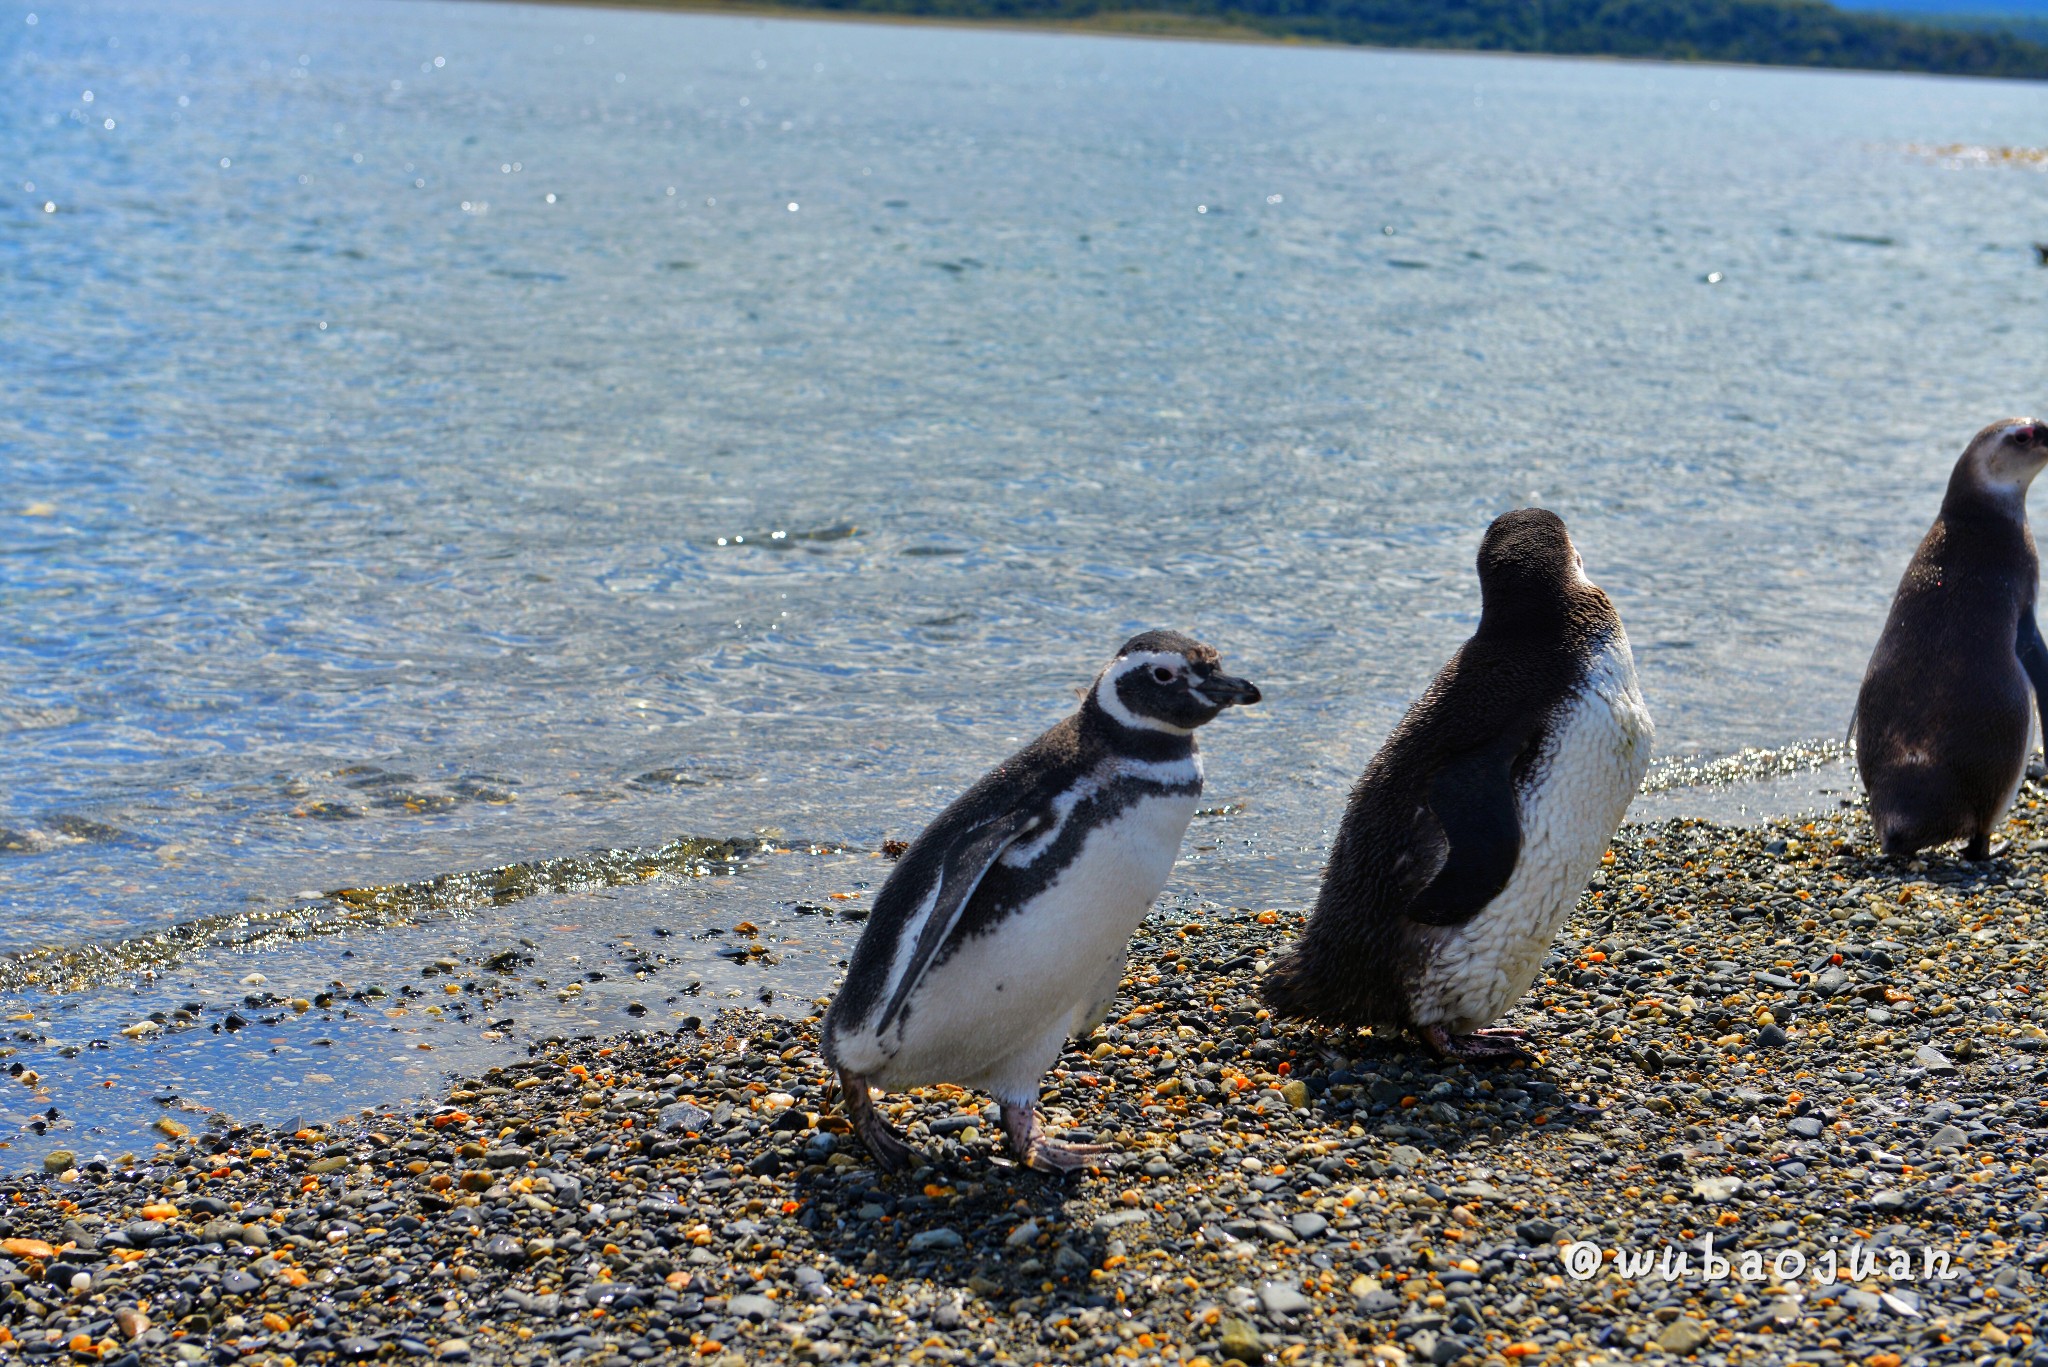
1160,24
1124,24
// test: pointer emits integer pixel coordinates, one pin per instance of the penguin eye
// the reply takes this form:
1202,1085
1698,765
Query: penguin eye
1162,673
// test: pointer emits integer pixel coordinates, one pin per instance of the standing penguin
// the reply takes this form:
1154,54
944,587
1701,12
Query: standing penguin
1471,833
1004,928
1942,717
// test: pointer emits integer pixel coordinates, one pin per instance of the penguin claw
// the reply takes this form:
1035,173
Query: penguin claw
1038,1150
891,1153
1050,1155
1481,1046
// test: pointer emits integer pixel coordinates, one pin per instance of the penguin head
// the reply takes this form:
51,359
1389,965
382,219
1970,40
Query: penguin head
1529,571
2003,459
1164,681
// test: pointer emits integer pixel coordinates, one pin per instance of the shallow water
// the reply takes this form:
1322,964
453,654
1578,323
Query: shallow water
440,436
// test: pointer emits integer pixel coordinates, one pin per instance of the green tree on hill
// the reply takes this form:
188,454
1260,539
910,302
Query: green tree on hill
1768,32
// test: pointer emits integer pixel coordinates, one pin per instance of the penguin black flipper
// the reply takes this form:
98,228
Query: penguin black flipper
2033,653
1472,799
961,865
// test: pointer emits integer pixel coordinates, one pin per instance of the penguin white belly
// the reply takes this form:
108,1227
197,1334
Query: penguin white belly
1590,768
996,1012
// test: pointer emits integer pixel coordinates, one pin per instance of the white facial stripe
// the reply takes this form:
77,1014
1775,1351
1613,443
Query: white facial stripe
2003,471
1108,701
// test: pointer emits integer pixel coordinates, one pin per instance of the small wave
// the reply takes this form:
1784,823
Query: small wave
1744,766
72,968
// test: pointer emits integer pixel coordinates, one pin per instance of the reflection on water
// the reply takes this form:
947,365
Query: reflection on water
445,436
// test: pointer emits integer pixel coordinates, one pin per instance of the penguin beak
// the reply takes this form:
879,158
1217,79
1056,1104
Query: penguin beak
1221,690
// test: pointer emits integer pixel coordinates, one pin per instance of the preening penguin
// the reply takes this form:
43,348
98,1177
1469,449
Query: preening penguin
1003,929
1473,830
1942,717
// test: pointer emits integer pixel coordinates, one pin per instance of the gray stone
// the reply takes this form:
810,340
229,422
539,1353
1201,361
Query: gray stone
1805,1126
1278,1298
1948,1137
503,1248
236,1282
682,1116
1239,1342
1901,1302
1117,1219
1308,1225
1684,1336
751,1307
936,1238
1717,1189
1449,1348
1933,1060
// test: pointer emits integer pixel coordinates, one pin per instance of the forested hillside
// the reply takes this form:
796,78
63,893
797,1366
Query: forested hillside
1771,32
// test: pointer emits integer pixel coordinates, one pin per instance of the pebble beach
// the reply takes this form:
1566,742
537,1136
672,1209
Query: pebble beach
1760,1042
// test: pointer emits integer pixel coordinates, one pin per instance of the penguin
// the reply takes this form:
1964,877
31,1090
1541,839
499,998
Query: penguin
1470,835
1942,718
1003,929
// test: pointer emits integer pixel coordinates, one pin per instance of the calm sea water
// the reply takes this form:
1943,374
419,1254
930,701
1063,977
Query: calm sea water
439,435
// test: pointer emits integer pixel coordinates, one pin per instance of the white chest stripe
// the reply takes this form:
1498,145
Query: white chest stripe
1026,852
1173,773
1166,772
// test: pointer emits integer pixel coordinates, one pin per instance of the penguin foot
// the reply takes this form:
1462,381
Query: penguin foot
1038,1149
890,1152
1481,1046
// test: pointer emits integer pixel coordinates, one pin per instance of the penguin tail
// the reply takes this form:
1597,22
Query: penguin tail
1292,989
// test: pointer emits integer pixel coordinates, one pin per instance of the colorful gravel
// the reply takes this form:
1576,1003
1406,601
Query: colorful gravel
1760,1041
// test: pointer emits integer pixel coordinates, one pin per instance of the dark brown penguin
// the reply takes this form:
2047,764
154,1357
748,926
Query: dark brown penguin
1474,829
1942,717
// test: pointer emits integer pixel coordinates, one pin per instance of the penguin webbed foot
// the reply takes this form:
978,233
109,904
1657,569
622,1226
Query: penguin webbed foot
1036,1149
891,1153
1481,1046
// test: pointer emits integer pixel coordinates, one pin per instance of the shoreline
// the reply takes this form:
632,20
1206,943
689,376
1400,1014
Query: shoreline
1761,1035
1157,24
